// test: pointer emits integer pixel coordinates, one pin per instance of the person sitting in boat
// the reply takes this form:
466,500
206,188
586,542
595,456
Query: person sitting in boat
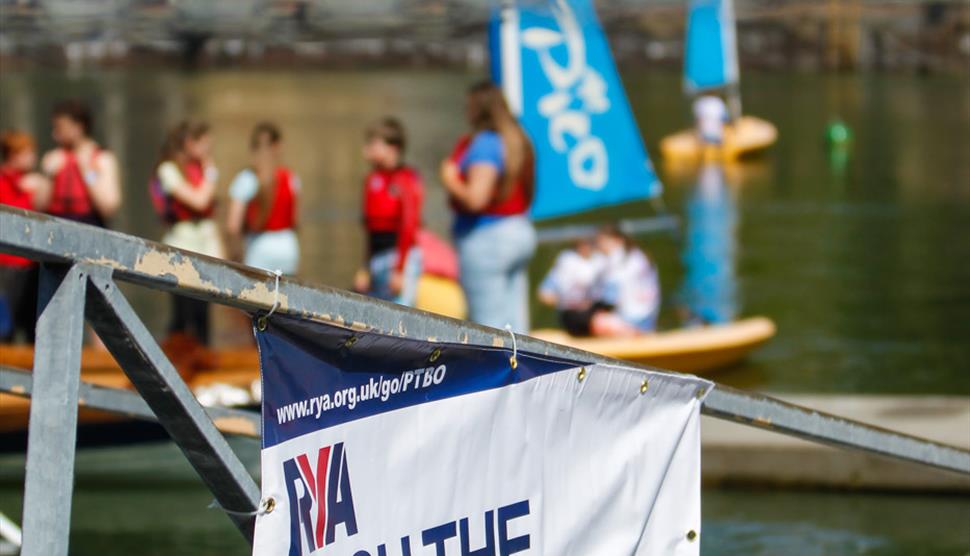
23,188
629,285
569,284
393,198
710,115
263,201
183,191
86,187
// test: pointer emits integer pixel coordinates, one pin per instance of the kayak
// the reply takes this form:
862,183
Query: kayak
746,136
215,378
699,349
233,373
693,349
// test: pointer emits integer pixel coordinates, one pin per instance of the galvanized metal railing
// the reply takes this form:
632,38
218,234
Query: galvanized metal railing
80,264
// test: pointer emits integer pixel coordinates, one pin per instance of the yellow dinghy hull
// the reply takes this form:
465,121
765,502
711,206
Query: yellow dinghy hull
442,296
746,136
689,350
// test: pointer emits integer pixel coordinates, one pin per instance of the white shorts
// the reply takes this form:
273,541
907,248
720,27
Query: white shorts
279,250
199,236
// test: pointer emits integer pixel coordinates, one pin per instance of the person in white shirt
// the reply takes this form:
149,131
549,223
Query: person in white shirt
613,290
568,286
629,284
710,115
573,274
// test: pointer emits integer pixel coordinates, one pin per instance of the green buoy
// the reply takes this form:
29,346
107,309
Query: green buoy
838,135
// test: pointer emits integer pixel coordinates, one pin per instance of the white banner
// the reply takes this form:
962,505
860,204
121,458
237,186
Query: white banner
379,446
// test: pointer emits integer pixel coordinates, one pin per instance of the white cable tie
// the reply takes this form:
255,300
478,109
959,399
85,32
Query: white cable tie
515,348
276,294
265,507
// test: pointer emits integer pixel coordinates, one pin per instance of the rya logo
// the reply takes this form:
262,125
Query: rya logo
320,499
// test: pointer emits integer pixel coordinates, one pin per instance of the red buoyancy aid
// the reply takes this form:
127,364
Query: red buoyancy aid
392,203
12,195
282,211
516,202
194,174
69,197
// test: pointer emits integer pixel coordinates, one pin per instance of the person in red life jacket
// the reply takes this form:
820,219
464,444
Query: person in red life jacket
183,191
85,183
23,188
263,205
489,179
393,197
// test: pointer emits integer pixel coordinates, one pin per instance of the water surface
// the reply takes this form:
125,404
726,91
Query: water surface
161,520
863,261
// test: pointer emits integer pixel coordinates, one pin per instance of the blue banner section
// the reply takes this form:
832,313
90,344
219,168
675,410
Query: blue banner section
316,376
710,57
556,69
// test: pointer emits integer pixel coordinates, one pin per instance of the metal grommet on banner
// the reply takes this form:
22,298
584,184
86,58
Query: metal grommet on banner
263,320
514,361
691,535
582,374
350,341
644,386
435,355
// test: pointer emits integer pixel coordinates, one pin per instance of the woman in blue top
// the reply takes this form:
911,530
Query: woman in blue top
489,179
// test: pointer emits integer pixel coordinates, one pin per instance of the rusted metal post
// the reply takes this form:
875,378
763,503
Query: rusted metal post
177,409
162,267
53,412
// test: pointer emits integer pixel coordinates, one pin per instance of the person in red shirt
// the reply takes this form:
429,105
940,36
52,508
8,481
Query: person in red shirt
23,188
85,183
393,197
263,206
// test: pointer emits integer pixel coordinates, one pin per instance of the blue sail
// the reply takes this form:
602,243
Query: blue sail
557,72
710,56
